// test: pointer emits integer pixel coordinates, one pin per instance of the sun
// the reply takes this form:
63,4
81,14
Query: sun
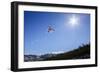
73,20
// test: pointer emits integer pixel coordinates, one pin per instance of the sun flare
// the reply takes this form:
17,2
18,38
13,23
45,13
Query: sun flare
73,21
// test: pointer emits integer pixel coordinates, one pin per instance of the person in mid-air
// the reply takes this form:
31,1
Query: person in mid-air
50,29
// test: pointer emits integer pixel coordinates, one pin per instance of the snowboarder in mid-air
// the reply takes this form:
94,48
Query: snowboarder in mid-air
50,29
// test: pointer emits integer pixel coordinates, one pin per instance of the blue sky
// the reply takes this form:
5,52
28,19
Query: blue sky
69,34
